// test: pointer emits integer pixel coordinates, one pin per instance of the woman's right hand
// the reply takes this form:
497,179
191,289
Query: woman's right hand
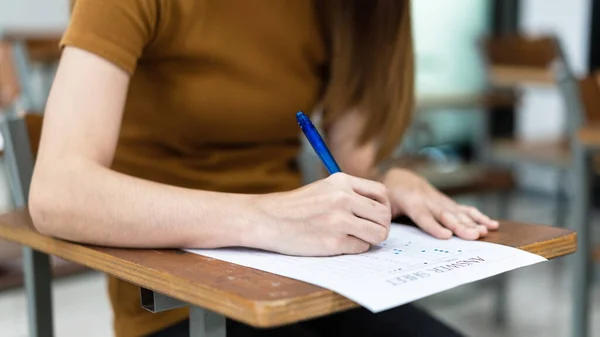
337,215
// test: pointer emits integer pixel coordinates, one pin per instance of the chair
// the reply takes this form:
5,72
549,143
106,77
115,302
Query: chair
37,48
457,179
586,146
512,61
21,131
8,92
463,178
516,61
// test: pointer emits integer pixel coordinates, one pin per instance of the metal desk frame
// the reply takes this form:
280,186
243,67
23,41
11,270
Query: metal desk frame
582,263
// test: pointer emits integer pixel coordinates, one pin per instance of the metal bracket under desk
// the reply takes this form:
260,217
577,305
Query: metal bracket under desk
203,323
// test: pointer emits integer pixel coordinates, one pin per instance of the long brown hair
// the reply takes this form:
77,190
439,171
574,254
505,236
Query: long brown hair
371,68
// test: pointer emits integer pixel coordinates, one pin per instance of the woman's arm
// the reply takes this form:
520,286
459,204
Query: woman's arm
354,159
410,194
76,196
72,182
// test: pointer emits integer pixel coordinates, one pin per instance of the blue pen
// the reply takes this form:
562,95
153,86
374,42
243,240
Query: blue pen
318,144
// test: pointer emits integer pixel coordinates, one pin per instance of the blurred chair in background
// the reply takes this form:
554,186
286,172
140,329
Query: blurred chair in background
9,253
512,63
515,62
586,150
455,177
21,130
37,53
458,178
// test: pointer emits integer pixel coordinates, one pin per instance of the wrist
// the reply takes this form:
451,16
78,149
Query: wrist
398,182
229,220
258,228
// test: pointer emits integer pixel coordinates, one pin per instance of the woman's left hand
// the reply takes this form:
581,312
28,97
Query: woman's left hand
431,210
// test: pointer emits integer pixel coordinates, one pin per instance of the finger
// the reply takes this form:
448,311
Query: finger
483,231
472,225
367,231
353,245
465,219
480,218
453,223
370,189
371,210
425,220
468,221
458,223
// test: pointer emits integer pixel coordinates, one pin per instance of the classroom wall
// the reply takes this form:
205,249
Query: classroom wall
541,114
33,13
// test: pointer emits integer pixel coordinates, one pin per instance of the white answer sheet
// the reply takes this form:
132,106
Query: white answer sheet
408,266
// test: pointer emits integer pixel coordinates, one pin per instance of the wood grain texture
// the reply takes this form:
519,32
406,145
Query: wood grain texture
254,297
549,242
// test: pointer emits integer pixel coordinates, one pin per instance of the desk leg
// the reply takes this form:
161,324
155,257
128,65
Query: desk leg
502,281
38,275
581,259
561,198
204,323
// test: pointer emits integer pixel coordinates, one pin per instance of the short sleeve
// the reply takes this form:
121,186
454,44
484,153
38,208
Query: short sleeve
116,30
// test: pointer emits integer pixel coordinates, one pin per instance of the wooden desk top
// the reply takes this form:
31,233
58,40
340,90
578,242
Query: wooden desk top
247,295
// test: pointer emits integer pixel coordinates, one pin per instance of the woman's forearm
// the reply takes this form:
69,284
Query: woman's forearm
86,202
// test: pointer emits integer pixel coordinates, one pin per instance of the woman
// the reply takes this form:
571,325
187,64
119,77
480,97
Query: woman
174,123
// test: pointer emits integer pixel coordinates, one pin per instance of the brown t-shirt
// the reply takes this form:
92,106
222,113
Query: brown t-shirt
214,91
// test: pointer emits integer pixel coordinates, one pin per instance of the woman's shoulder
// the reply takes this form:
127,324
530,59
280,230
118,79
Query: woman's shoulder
117,30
